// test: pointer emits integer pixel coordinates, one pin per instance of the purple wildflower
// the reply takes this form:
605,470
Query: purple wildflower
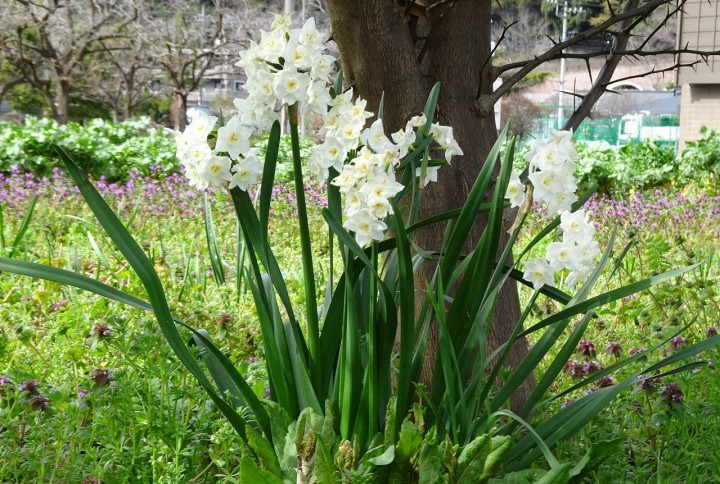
592,367
60,306
613,348
677,342
29,386
39,402
566,403
637,349
604,381
711,331
577,370
586,348
4,383
101,377
101,330
647,384
225,319
672,394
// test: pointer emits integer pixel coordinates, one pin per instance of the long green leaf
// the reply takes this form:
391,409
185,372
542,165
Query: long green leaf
469,211
145,270
212,243
23,227
308,269
606,298
228,378
268,177
69,278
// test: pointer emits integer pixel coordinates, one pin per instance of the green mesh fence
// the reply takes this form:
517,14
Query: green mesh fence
616,130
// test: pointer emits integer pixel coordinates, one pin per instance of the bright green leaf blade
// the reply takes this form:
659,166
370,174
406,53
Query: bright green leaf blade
23,227
139,261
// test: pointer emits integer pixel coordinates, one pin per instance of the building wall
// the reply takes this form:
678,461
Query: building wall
700,106
699,29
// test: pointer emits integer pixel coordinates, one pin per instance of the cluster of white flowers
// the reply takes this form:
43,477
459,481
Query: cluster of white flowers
552,173
368,180
552,168
290,67
366,160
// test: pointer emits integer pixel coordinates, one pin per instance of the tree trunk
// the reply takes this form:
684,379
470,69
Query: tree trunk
380,53
62,97
127,108
181,112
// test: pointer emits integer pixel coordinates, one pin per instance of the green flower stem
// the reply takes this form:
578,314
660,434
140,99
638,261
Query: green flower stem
372,348
313,329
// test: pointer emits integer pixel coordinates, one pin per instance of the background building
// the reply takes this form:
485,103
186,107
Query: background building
699,28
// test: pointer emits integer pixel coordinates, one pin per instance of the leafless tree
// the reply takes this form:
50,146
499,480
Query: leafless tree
527,36
48,42
185,41
121,77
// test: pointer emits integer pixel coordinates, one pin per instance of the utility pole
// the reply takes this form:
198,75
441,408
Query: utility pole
563,37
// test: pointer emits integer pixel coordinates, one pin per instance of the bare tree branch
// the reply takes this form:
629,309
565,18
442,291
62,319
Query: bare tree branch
607,71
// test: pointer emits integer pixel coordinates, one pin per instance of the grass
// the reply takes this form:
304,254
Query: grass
150,422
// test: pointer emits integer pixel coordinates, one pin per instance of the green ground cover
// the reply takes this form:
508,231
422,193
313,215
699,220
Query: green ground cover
89,389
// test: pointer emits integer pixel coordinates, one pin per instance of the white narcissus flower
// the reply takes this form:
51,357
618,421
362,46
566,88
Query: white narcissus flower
247,172
322,67
379,206
291,85
332,153
192,173
216,171
272,45
281,22
297,55
355,202
561,202
345,181
515,191
403,140
576,277
318,99
539,273
577,227
256,114
453,149
366,227
233,138
563,255
200,127
587,252
375,138
418,121
261,87
562,140
199,153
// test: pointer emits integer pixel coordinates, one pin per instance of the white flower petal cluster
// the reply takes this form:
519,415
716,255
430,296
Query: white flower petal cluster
368,180
552,168
290,67
552,171
287,66
202,168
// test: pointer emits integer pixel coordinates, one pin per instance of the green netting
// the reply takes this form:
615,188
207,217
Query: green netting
616,130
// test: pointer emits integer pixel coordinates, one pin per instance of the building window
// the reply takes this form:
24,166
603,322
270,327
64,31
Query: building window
238,85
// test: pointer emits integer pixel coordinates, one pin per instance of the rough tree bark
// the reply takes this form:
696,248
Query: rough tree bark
380,53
